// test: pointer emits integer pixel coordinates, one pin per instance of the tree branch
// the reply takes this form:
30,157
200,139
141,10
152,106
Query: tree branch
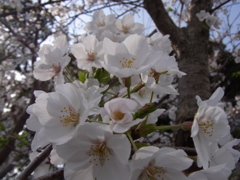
57,175
35,163
162,20
219,6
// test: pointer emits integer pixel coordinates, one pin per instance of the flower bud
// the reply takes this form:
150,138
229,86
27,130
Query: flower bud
187,125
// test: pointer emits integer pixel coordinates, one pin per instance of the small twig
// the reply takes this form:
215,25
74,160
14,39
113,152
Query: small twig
219,6
35,163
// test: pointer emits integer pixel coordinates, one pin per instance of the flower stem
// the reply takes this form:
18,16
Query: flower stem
168,127
70,78
132,142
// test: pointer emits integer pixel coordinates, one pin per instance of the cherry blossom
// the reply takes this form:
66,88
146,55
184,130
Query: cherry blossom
210,124
128,58
100,22
219,172
95,153
154,163
52,61
120,112
60,112
89,53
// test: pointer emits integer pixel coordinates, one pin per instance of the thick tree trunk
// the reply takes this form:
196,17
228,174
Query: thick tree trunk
191,47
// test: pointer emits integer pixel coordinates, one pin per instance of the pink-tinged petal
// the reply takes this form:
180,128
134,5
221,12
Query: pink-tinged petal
119,24
43,73
122,147
142,157
61,43
112,170
128,20
137,45
40,140
55,158
85,174
109,46
220,172
172,158
126,72
78,50
138,28
90,43
119,128
172,174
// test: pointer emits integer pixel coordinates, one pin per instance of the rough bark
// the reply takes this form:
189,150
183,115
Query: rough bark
191,47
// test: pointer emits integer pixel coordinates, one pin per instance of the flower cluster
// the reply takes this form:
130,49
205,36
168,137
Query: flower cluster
210,19
89,120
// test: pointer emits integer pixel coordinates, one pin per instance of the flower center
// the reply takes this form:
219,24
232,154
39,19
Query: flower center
101,24
117,115
56,69
127,63
69,117
206,125
125,29
91,56
99,153
153,173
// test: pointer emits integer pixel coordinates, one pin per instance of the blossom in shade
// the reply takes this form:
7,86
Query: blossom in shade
131,57
202,15
120,111
209,125
159,42
220,172
40,139
226,155
150,163
52,61
126,26
95,153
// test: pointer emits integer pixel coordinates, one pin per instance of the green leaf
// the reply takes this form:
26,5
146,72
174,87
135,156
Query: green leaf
2,127
102,75
82,77
140,144
3,141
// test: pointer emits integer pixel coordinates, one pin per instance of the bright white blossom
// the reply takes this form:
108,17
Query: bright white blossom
153,163
100,22
120,111
92,92
129,58
89,53
96,153
53,60
60,112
